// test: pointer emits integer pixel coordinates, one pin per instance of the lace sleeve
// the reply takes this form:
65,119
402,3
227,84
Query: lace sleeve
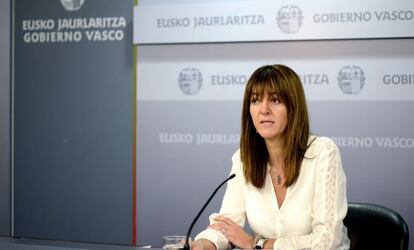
329,205
330,201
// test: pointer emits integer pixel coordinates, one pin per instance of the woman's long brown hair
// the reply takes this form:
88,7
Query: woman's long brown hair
283,81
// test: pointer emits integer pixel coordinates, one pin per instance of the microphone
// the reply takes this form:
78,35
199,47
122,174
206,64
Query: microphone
187,245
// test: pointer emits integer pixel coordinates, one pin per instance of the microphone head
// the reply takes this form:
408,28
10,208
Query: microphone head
232,176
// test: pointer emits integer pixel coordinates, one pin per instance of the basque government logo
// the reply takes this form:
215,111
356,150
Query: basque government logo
289,19
190,81
351,79
72,5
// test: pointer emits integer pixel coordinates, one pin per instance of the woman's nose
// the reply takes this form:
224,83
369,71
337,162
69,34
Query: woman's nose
264,108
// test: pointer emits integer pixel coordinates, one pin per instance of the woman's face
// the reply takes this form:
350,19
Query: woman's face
269,116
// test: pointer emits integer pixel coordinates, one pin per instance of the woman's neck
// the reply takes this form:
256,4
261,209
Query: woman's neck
275,150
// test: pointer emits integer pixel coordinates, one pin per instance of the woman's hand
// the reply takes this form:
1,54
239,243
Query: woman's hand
233,232
202,244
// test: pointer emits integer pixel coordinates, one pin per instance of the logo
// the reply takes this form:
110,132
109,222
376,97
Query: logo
351,79
72,5
289,19
190,81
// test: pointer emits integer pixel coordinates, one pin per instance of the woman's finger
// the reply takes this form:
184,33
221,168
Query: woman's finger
221,227
226,220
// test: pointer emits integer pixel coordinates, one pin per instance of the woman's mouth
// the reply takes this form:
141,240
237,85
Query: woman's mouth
267,122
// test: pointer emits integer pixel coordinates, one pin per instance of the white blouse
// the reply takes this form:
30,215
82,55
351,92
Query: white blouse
313,210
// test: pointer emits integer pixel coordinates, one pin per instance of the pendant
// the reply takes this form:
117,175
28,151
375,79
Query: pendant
278,180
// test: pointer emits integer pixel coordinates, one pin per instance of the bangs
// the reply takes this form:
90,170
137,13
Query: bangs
268,85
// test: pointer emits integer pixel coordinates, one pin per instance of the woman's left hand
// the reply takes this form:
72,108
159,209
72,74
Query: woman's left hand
233,232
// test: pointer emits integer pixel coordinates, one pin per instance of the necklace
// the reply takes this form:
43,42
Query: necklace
278,177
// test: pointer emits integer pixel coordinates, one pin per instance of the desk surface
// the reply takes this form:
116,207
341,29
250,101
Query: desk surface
35,244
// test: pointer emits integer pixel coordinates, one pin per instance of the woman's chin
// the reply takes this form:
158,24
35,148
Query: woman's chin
265,135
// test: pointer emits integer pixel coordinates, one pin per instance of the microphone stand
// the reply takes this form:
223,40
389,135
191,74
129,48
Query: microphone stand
187,245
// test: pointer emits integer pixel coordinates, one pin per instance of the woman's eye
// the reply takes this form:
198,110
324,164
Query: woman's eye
275,100
254,100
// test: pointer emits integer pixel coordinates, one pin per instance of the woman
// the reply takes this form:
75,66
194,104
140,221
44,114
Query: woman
289,184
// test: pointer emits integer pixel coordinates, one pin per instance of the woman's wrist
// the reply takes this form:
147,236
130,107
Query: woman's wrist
252,241
269,244
259,242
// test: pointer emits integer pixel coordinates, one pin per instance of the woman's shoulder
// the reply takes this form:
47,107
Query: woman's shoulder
236,154
319,144
236,157
236,161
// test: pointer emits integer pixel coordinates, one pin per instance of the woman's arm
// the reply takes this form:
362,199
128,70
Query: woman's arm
329,204
233,206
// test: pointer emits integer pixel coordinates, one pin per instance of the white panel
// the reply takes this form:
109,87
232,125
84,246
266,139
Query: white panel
272,21
341,79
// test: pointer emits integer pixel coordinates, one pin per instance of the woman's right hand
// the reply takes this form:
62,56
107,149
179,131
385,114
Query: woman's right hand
202,244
